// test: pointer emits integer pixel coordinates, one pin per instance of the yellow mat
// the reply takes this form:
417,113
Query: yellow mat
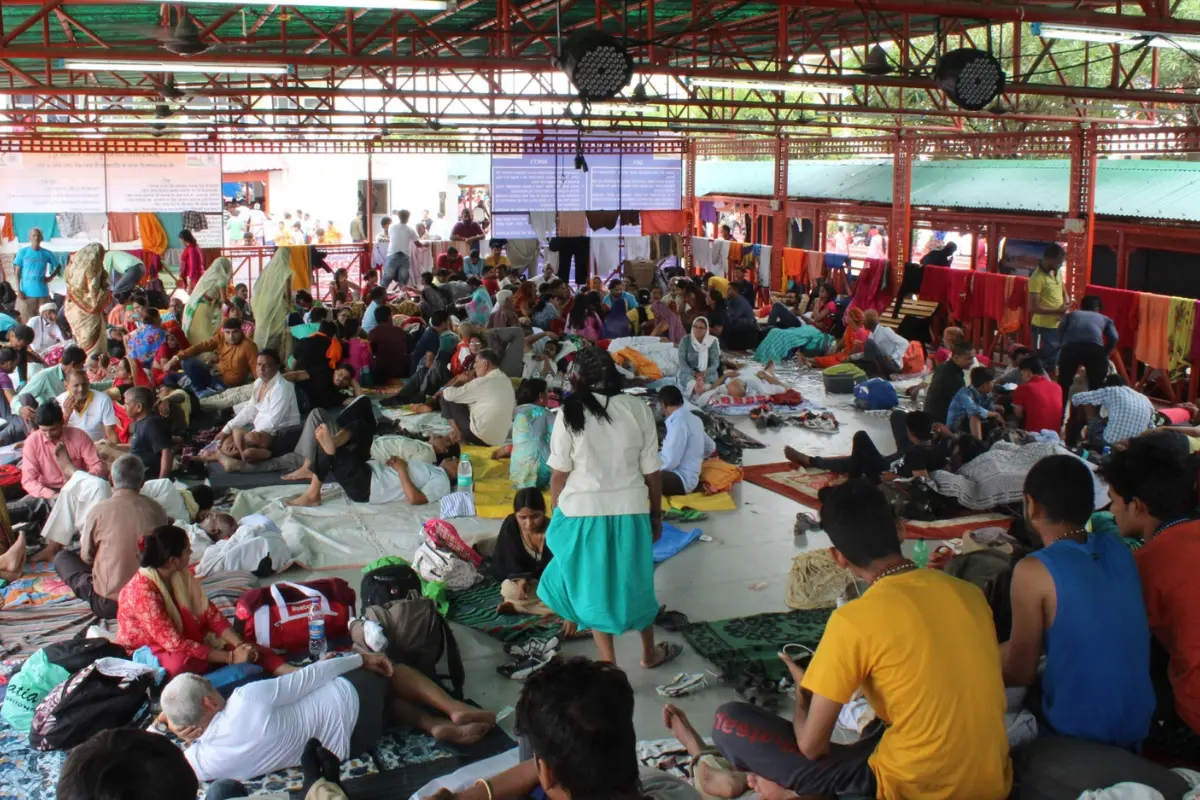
494,494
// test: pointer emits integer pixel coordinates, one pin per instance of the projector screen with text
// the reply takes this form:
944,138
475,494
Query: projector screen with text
546,182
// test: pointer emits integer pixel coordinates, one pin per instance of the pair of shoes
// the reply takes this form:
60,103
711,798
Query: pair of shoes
528,658
534,647
683,684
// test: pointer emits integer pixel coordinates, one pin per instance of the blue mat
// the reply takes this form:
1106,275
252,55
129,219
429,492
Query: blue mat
673,540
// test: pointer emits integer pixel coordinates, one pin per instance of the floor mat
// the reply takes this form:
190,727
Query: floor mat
476,608
220,479
39,586
750,645
803,485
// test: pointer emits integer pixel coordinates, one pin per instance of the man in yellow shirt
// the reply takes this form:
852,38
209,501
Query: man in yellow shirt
497,260
920,645
1047,304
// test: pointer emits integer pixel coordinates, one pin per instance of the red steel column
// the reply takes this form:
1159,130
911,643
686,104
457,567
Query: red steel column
779,219
900,233
1081,213
689,199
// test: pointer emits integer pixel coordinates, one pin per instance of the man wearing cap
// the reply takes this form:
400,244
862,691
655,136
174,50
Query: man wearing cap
46,333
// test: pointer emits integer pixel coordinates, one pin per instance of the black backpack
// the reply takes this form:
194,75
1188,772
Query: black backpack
75,654
385,584
417,636
85,704
991,571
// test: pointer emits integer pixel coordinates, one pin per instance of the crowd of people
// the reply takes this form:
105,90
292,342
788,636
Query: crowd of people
536,372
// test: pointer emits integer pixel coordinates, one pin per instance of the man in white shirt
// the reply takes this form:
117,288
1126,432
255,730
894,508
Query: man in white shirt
252,433
841,242
342,702
258,223
401,237
46,333
340,445
90,411
685,445
480,405
549,273
884,348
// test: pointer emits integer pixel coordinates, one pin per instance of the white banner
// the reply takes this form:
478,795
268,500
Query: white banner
166,182
52,183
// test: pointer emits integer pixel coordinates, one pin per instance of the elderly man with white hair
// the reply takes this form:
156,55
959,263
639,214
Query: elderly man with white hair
342,702
46,333
108,553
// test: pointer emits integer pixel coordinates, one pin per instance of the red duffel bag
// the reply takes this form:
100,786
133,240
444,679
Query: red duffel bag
276,616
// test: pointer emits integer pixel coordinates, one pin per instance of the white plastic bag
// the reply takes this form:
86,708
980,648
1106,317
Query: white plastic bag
441,566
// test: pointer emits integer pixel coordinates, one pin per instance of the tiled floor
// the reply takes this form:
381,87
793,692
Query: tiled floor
707,581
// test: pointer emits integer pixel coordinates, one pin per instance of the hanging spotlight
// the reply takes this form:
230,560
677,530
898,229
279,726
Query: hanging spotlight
970,78
597,64
877,62
581,162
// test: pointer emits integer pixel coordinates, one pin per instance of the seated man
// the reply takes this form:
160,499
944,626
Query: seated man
1078,602
150,433
88,410
389,346
1128,412
883,352
943,734
108,553
269,418
50,382
578,740
46,333
376,298
1037,401
49,447
236,356
480,404
1154,498
341,445
947,379
312,372
786,314
345,702
972,405
918,452
684,446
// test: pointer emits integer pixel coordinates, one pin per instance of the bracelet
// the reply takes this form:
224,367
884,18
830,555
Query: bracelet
486,785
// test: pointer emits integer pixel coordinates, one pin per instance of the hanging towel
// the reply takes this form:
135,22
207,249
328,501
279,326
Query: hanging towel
195,221
122,226
735,254
1180,326
70,225
663,222
630,217
301,271
7,234
522,254
763,255
815,265
23,223
151,232
1152,346
637,248
719,254
868,291
973,306
934,282
605,253
837,261
708,212
572,223
1121,307
701,252
958,284
542,223
172,224
794,261
602,220
1016,298
990,287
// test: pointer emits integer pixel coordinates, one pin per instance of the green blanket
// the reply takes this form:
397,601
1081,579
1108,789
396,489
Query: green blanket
750,645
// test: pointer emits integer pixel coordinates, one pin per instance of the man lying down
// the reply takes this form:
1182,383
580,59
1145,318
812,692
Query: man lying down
344,702
340,445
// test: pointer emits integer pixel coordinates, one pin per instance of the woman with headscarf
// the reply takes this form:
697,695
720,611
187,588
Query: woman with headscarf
87,295
479,307
504,315
202,312
700,356
606,492
616,318
852,342
667,323
164,608
271,300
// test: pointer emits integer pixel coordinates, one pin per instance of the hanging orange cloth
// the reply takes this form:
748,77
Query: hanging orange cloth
1153,347
152,233
301,268
735,254
663,222
793,262
6,233
814,261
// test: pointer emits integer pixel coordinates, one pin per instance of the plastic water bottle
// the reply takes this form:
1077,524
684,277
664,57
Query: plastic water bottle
317,645
466,479
921,553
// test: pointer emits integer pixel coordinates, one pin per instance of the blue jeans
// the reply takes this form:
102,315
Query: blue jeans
201,376
396,270
1047,341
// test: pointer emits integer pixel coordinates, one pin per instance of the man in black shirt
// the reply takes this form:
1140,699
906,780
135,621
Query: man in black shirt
947,379
313,374
918,452
150,438
941,257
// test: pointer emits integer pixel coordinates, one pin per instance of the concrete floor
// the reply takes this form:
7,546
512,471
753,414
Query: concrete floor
708,580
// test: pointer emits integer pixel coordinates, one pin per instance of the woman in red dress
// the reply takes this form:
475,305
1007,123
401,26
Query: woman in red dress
191,262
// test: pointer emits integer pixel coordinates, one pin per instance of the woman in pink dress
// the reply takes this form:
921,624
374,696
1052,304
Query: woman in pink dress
191,263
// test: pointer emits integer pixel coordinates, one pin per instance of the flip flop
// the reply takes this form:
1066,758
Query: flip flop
671,621
668,652
684,515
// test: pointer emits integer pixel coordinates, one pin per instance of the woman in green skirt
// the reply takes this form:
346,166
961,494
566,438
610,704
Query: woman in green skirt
607,500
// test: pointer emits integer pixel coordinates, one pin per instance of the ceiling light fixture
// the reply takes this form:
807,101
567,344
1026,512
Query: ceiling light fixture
388,5
598,65
1111,36
205,67
773,86
614,107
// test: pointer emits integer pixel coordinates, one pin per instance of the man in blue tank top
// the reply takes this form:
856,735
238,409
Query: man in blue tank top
1078,602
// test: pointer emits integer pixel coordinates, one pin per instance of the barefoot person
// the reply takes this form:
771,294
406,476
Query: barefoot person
344,701
265,420
607,498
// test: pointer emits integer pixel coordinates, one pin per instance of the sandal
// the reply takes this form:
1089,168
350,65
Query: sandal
684,515
671,621
666,652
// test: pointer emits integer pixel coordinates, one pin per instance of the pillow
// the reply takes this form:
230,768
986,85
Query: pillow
385,447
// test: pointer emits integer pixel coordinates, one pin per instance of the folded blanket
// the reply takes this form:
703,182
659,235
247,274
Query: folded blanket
997,477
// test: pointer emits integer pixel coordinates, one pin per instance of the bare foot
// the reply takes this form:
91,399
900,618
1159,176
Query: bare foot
460,734
681,728
769,790
325,439
302,474
47,553
12,563
305,500
230,464
796,457
716,782
468,716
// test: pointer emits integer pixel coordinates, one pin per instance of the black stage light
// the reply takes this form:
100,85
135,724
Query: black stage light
581,162
598,65
970,78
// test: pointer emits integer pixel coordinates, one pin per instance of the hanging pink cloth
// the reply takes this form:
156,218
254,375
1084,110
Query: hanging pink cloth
867,290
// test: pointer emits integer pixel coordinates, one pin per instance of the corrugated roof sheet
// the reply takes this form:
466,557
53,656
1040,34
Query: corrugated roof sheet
1158,189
